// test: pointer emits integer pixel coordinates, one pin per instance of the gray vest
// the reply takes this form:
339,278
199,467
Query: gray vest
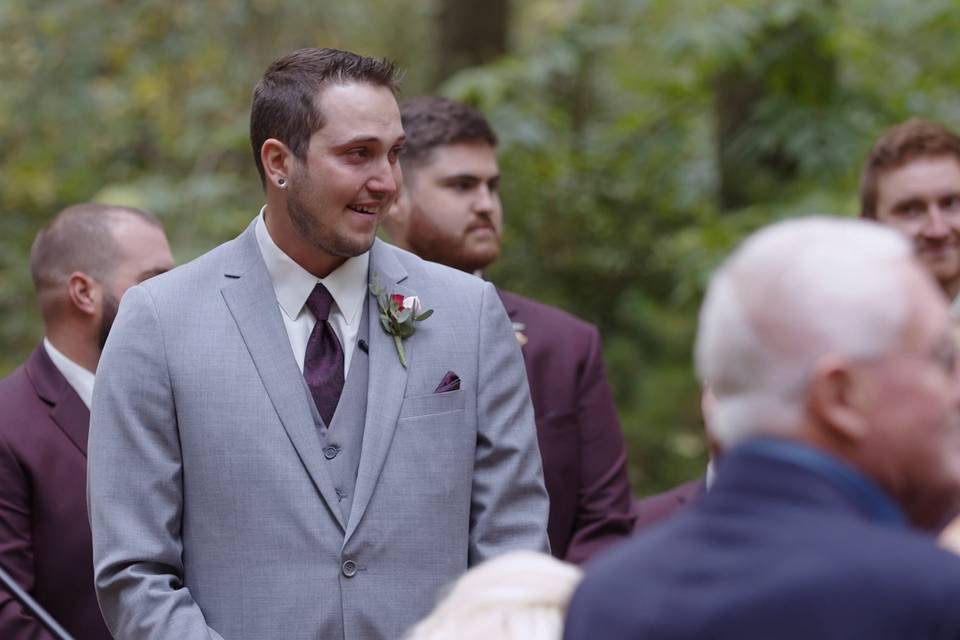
341,442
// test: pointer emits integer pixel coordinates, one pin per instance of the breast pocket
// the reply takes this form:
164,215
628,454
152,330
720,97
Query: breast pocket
432,404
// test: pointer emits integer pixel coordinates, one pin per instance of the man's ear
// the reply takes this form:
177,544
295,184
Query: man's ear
84,293
834,398
277,160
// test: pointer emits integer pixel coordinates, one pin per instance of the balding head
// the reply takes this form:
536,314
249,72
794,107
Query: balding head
81,238
83,262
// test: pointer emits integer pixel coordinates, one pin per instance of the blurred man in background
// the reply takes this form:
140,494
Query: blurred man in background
449,212
81,263
911,183
840,432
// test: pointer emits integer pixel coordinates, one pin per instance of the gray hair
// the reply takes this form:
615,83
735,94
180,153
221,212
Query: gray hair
791,293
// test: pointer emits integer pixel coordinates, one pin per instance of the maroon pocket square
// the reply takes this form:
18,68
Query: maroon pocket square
450,382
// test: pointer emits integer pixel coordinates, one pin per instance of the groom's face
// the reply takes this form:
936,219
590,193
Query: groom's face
351,175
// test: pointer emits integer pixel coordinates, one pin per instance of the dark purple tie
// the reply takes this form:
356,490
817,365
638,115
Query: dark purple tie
323,361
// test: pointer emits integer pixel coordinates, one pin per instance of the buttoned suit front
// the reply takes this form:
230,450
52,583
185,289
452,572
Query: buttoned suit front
215,508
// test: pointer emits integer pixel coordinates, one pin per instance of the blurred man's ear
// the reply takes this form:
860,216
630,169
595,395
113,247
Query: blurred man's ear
84,293
708,403
834,397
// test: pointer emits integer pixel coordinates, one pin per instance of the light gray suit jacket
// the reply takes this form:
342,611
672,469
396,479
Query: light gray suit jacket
212,513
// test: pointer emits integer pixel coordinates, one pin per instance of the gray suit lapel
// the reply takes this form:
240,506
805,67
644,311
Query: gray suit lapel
252,301
387,383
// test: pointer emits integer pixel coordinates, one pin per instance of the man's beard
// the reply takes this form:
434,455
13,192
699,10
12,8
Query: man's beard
110,307
320,237
431,243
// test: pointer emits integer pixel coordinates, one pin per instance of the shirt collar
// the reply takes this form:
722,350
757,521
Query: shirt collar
292,283
77,377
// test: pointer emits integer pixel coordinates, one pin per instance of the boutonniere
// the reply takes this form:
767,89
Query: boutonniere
398,315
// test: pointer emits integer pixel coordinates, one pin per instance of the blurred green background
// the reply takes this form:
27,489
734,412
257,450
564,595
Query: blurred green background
640,139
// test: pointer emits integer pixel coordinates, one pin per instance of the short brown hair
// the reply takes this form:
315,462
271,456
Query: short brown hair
899,145
80,238
285,99
431,122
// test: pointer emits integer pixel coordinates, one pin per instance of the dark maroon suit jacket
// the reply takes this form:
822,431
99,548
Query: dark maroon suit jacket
44,532
654,509
581,442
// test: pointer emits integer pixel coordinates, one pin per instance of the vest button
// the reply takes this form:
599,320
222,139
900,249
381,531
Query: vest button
330,452
349,568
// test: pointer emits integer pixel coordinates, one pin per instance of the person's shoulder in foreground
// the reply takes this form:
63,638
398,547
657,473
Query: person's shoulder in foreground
738,565
839,432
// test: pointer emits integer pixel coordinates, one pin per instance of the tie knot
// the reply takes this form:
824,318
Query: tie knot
319,302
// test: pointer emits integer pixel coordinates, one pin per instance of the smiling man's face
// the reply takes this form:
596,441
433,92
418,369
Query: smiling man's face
921,199
452,206
351,175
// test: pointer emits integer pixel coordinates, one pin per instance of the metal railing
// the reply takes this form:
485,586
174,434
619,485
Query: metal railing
33,606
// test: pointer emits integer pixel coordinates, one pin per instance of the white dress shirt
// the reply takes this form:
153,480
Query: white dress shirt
292,283
77,377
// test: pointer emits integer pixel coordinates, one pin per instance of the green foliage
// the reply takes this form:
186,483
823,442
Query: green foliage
146,103
607,111
612,175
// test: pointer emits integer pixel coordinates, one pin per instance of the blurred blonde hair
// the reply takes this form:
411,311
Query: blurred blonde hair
518,596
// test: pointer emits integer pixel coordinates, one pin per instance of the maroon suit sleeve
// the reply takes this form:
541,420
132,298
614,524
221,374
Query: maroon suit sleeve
604,502
16,549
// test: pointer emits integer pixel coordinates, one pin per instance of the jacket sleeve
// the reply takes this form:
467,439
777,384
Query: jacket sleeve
16,549
134,484
604,510
509,503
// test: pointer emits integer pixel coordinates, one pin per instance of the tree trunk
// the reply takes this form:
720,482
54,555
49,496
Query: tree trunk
470,33
792,64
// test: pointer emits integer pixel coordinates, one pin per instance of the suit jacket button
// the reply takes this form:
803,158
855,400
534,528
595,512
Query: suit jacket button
330,452
349,568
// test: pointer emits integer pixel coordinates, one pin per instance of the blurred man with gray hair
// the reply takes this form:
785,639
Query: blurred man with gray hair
829,349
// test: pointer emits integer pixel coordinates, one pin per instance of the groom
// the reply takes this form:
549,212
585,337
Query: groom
273,453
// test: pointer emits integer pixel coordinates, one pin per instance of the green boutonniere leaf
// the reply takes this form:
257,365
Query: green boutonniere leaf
398,316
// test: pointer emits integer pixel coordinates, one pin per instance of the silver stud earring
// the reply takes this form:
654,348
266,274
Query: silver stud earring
281,183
